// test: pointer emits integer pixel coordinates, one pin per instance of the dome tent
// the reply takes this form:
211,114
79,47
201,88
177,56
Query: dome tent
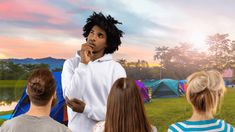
164,88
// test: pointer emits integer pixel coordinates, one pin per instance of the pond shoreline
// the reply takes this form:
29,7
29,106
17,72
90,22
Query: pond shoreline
7,107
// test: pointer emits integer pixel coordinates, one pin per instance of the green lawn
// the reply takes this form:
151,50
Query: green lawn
12,83
164,112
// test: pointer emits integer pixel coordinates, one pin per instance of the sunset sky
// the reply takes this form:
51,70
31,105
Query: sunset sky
42,28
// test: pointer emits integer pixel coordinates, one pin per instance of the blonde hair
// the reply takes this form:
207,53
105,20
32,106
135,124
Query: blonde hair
205,90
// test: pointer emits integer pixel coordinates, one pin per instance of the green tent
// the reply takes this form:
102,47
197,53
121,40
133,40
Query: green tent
164,88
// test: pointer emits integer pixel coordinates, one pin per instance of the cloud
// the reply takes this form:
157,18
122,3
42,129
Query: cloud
37,15
24,48
147,24
33,11
133,52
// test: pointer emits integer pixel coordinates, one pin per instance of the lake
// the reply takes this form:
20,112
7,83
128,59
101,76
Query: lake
9,97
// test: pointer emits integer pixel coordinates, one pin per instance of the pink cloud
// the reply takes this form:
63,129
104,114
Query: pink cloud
73,32
20,48
28,10
133,52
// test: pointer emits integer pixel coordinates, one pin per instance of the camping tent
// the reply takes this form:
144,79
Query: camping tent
182,86
143,90
164,88
58,111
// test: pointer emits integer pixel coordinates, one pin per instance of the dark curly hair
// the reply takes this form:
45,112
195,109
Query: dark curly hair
108,25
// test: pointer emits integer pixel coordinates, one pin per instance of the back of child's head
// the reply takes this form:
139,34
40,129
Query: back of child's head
125,109
205,90
41,87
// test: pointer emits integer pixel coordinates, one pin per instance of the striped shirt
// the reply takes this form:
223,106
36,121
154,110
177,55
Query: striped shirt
213,125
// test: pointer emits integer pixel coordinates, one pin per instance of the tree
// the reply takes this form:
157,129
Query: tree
160,54
123,62
11,71
219,51
180,61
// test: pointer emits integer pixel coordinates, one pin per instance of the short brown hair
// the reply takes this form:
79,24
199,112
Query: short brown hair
125,108
41,86
205,90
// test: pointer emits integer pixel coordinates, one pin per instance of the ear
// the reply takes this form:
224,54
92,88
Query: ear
27,90
54,95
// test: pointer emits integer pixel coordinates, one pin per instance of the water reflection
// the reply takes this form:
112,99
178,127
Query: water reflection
9,95
4,107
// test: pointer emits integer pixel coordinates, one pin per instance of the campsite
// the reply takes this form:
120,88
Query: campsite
164,99
165,111
145,51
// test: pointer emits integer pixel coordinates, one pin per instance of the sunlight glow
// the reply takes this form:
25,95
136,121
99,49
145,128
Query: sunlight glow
198,41
154,64
2,56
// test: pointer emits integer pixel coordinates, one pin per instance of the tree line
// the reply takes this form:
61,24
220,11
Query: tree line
180,61
175,62
11,71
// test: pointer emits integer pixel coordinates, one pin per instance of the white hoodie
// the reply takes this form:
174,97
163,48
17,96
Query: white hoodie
90,83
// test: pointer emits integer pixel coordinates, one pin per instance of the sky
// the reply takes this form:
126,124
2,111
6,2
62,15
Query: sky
43,28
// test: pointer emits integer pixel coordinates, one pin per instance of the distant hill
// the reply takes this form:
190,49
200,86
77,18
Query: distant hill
52,62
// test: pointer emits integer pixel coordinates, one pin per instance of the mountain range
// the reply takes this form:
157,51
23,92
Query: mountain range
52,62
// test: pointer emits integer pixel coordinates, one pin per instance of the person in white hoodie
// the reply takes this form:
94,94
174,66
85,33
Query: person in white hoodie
88,77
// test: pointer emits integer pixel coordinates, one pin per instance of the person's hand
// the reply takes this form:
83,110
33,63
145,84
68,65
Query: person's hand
75,104
86,53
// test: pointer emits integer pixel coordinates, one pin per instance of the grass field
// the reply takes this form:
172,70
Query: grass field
12,83
163,112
